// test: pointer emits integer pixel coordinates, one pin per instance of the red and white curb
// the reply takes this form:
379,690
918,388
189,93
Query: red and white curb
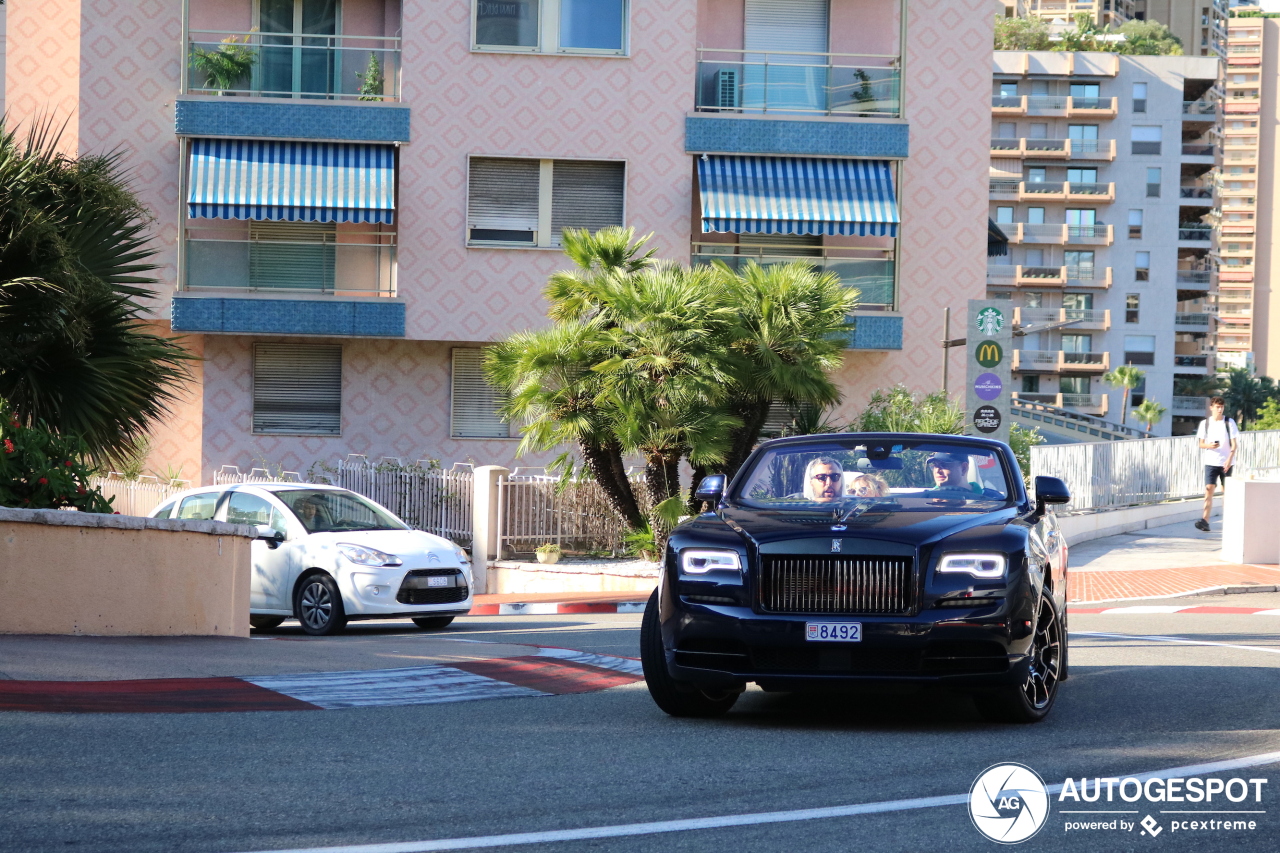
550,608
548,672
1191,608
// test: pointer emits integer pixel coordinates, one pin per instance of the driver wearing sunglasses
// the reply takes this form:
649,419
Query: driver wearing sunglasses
823,480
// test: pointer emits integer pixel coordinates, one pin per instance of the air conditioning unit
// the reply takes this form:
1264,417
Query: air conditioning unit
727,89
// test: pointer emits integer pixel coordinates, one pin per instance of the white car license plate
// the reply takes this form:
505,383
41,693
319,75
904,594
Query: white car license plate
833,632
442,580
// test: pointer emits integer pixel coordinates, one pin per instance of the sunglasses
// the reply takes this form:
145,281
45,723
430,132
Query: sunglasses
828,478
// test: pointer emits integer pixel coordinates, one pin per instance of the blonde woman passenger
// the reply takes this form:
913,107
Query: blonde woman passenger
867,486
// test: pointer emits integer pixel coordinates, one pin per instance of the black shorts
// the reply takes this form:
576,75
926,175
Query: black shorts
1214,474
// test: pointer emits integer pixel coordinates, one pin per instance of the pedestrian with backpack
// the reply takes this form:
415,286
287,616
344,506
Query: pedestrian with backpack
1219,438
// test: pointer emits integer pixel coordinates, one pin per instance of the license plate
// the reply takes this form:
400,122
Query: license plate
442,580
833,632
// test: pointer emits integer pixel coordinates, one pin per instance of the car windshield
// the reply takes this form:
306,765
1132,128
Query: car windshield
330,510
855,475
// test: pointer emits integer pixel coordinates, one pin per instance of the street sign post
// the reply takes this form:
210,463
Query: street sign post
989,352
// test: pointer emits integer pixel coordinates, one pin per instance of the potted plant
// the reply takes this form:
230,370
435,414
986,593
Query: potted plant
548,553
226,65
371,80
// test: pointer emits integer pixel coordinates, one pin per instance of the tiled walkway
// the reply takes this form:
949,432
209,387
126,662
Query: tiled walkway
1115,585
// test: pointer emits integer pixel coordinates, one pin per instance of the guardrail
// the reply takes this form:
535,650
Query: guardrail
1103,475
1088,426
830,84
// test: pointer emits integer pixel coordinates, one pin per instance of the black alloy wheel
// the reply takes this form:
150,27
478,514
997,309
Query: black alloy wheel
677,698
432,623
265,623
318,606
1030,701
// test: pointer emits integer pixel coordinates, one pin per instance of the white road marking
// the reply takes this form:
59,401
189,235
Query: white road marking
1149,608
419,685
1179,640
628,665
756,819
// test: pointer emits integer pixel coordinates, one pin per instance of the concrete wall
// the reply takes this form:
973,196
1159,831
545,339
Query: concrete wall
82,573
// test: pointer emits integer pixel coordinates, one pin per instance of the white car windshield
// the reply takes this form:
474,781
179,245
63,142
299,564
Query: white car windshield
329,511
889,476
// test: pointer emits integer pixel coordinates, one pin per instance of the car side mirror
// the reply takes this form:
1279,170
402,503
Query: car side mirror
268,534
711,489
1050,490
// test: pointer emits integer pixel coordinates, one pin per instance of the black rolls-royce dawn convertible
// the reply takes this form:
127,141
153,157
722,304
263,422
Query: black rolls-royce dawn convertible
867,557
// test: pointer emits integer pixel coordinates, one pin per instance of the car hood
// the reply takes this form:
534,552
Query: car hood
913,528
416,548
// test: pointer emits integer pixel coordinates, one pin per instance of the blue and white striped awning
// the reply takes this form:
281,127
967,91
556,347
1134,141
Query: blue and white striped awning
797,195
292,181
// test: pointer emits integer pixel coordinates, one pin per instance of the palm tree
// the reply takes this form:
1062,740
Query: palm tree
1149,412
1126,377
1245,394
75,349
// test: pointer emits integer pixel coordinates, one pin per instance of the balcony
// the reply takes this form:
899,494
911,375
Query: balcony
312,67
1201,278
1093,404
1198,149
838,85
1080,318
1057,361
1054,149
1195,233
866,269
1081,235
1191,363
1090,193
1196,110
1192,321
1092,107
1014,105
1196,191
362,264
1190,405
1024,276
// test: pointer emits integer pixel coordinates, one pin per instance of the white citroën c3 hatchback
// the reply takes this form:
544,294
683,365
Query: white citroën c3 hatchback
326,555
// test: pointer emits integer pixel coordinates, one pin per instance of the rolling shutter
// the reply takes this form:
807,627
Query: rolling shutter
799,25
585,195
474,402
297,388
292,255
502,199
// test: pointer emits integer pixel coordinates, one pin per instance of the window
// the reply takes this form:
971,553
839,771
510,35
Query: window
1035,215
530,202
1153,182
295,57
551,26
1035,258
1079,265
1142,266
1131,302
292,255
1031,384
1082,176
1008,130
1139,97
1082,131
1077,302
1139,349
474,403
244,508
297,389
200,507
1039,130
1035,299
1004,215
1145,139
1077,343
1073,385
1008,90
1035,174
1135,224
1084,90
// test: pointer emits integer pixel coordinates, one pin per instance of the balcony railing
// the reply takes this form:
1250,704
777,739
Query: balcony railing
1195,191
833,84
1058,360
1199,108
1046,102
1096,403
1081,318
1197,149
1185,318
1197,405
1056,149
1076,276
1194,276
285,65
872,276
1191,361
1195,232
359,269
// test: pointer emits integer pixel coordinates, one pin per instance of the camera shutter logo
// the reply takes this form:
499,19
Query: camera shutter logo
1008,803
990,321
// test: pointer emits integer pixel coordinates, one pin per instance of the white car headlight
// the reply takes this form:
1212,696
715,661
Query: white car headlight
982,566
461,555
363,555
697,561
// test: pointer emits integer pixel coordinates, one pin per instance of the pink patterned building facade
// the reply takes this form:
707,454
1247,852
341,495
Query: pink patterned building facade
342,226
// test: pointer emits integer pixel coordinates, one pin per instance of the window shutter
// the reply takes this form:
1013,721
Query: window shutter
474,402
799,25
502,196
297,388
585,194
291,255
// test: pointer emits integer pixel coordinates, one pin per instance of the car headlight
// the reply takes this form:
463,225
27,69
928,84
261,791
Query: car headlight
983,566
363,555
463,560
697,561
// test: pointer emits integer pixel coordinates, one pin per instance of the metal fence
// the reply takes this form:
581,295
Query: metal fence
138,496
1127,473
422,494
535,509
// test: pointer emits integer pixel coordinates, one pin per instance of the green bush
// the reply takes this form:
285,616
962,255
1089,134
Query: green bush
40,469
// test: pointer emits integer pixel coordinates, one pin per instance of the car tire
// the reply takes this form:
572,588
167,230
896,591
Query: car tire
432,623
265,623
317,604
1031,701
677,698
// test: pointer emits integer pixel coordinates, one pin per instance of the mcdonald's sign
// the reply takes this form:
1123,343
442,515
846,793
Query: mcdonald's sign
989,354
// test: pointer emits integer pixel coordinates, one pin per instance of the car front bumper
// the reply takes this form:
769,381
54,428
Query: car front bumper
713,645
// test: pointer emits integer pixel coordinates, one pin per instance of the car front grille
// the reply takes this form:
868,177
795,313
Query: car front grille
844,584
409,594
